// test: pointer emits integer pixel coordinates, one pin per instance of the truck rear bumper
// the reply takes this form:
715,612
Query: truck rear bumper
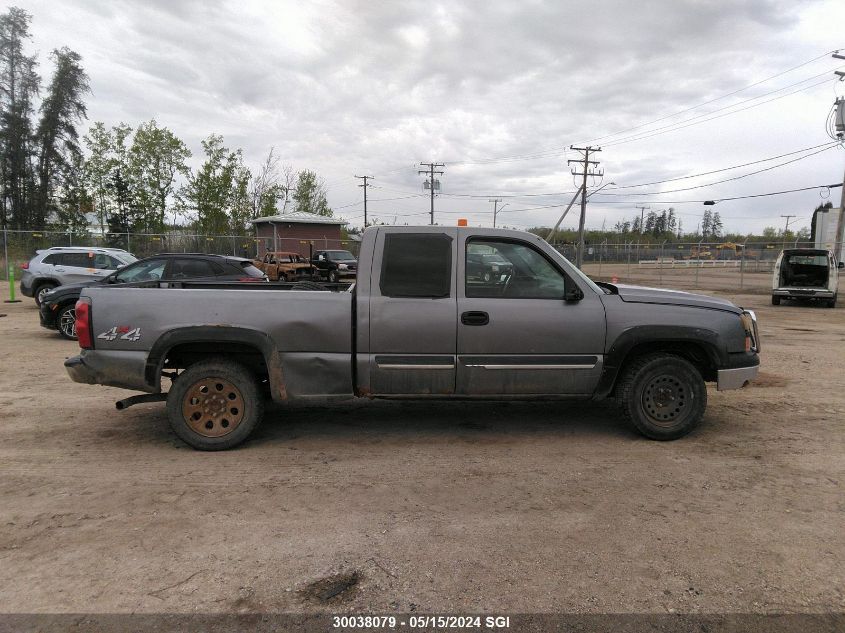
803,293
735,378
112,368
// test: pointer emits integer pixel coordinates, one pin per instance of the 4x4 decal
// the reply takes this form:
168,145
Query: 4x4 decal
125,333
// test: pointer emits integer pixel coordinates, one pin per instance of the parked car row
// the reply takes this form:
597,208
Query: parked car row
56,276
333,266
56,285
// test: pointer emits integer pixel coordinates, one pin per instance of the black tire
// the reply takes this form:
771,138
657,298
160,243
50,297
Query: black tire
775,300
831,303
66,322
212,413
42,289
333,276
662,395
308,285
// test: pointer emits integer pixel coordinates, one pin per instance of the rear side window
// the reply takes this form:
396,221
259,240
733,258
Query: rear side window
416,265
248,269
51,259
80,260
185,268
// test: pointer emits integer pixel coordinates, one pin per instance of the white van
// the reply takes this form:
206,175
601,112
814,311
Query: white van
806,273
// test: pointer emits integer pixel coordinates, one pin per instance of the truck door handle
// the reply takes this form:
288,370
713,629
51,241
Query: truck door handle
475,318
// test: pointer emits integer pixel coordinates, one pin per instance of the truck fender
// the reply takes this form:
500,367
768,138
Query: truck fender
215,334
707,340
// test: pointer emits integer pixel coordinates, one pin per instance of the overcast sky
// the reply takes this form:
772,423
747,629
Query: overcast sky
374,88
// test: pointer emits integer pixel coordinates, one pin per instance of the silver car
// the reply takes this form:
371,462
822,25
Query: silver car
62,265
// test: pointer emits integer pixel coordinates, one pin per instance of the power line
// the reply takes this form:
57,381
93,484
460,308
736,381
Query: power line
694,120
660,202
724,96
552,151
718,182
644,184
717,171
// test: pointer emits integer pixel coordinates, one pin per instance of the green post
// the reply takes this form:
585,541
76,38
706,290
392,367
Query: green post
11,277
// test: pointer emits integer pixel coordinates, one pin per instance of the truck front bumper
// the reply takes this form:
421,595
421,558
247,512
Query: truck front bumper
735,378
111,368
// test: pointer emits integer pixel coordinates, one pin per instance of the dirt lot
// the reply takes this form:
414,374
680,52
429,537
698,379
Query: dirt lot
430,507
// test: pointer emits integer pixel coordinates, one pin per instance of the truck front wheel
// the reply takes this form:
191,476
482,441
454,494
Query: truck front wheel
663,396
775,300
214,405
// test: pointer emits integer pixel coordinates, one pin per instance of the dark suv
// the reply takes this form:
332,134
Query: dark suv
57,311
335,265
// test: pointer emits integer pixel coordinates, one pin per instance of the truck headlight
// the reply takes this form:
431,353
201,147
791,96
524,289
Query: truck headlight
752,337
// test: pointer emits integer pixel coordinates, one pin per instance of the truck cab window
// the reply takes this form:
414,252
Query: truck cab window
416,265
510,270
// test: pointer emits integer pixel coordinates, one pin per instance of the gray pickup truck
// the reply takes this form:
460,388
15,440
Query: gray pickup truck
419,323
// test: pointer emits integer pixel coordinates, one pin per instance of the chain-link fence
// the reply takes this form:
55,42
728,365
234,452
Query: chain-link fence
714,265
21,246
707,265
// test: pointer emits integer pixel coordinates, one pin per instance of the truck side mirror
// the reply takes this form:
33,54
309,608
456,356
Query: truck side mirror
571,292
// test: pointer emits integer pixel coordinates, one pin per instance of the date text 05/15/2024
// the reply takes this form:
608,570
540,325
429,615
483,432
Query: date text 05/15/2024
420,622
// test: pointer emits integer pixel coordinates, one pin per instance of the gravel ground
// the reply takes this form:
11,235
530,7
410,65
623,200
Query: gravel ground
381,506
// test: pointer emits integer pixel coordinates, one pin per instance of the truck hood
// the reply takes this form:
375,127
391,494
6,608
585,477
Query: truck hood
642,294
69,289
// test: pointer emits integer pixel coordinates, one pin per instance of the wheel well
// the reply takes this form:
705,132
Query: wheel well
695,353
182,356
40,282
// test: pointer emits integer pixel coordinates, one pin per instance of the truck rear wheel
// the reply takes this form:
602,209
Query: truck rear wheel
663,396
775,300
214,405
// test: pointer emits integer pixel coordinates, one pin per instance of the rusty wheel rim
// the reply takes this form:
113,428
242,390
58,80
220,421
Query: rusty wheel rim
213,407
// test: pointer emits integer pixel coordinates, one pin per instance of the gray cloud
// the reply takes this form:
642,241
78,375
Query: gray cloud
345,86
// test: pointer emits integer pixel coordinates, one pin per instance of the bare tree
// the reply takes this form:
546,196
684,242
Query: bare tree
288,184
264,187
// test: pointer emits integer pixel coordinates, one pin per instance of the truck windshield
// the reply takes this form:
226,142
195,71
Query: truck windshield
808,260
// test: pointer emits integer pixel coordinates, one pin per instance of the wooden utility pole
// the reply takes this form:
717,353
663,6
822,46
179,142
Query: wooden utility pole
642,216
839,236
495,202
786,228
586,171
432,169
365,185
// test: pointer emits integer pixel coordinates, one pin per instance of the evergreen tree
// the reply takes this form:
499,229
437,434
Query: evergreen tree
18,89
716,227
650,221
706,224
57,137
